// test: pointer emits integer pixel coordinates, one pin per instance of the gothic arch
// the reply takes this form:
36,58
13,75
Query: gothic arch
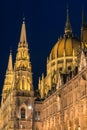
23,113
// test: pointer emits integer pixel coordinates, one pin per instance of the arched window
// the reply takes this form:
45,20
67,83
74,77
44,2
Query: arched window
23,113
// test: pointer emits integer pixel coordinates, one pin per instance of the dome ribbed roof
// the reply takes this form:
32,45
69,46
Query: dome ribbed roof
68,44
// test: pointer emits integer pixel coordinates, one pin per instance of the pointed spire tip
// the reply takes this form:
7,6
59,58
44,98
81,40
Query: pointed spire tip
68,29
23,37
23,19
10,66
10,51
83,16
67,9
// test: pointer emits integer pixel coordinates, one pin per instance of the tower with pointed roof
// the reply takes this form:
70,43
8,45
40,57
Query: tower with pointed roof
22,68
7,95
8,82
18,92
83,28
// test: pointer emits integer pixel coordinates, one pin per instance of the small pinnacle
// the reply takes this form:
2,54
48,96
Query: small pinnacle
10,50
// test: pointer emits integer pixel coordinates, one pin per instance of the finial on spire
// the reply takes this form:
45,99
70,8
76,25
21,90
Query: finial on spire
10,51
68,29
23,37
83,17
67,14
23,19
10,66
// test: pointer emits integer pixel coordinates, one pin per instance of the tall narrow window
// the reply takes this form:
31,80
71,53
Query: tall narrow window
23,113
38,115
23,83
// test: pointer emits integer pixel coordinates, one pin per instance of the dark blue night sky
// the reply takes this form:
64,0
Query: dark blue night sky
45,21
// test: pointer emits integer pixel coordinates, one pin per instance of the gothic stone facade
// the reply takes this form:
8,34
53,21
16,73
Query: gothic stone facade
60,103
66,108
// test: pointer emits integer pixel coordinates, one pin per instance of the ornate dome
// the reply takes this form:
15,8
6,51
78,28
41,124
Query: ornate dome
62,61
67,44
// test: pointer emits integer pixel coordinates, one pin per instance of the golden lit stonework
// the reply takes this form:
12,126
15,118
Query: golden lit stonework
9,77
60,102
23,74
62,59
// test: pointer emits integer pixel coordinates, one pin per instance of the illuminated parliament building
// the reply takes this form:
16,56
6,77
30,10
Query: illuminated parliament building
60,102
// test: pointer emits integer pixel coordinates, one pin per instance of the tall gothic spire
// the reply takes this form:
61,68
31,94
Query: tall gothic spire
84,24
10,66
8,82
23,37
83,28
22,68
83,17
68,29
